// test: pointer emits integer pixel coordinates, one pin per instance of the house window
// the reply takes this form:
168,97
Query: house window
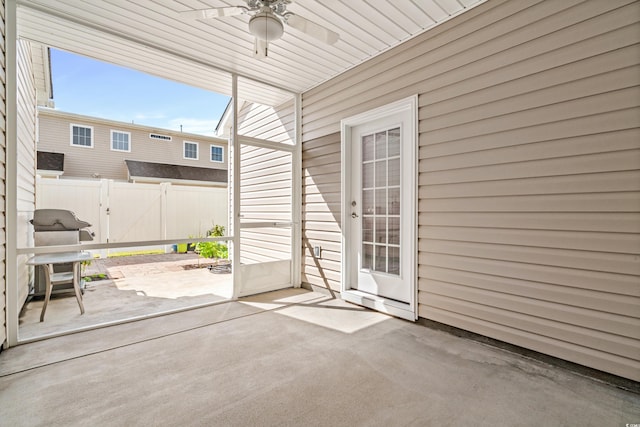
217,153
82,136
120,141
191,150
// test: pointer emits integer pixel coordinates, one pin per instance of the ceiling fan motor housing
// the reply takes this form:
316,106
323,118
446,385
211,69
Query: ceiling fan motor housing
266,26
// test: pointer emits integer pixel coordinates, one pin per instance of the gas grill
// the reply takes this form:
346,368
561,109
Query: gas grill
57,227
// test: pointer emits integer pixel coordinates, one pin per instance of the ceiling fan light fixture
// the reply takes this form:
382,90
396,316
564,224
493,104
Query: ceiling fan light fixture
266,26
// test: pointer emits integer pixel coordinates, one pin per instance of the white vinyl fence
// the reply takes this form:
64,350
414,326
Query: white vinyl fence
128,212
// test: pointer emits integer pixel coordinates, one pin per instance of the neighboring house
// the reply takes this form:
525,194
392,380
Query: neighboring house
77,146
527,195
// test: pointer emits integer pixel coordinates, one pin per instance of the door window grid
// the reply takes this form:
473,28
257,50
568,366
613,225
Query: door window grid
381,201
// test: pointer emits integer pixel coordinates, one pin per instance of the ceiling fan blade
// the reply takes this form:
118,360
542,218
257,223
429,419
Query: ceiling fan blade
312,29
260,48
215,12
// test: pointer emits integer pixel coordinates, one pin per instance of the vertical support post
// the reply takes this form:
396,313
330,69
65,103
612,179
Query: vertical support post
165,187
296,197
235,188
103,215
11,170
107,211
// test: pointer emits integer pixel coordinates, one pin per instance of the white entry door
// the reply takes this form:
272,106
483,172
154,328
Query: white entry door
380,197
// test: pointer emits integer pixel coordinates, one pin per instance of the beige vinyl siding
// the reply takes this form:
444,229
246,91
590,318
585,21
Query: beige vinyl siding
102,161
26,132
3,145
266,182
529,173
276,124
321,210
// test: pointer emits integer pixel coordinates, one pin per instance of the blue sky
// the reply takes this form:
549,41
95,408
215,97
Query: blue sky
93,88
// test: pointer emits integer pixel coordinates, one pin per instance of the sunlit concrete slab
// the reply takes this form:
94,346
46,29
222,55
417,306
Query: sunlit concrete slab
280,299
319,309
265,368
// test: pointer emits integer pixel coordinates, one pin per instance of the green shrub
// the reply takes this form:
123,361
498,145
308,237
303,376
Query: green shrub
216,231
213,249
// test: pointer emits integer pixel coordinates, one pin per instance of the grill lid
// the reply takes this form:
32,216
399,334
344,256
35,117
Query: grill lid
56,220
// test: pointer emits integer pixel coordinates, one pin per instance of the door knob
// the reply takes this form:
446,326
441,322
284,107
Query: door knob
354,215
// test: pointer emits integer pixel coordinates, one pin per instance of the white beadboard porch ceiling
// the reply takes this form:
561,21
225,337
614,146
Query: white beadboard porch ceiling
153,37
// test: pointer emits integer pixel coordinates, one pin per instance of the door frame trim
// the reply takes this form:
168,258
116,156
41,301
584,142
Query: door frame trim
408,311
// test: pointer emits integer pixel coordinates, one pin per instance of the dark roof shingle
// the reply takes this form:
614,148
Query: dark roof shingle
47,161
163,170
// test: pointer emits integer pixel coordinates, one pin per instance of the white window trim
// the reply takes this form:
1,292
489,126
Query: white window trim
184,146
111,140
93,135
218,146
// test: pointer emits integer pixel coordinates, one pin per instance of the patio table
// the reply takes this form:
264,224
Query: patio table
47,261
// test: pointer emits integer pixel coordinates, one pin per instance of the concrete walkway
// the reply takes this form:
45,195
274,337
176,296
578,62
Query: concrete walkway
292,358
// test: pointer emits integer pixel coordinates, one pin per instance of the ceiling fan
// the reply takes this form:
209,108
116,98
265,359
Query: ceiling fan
267,22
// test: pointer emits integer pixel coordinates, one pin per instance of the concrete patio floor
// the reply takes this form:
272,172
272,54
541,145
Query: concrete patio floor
138,286
293,358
